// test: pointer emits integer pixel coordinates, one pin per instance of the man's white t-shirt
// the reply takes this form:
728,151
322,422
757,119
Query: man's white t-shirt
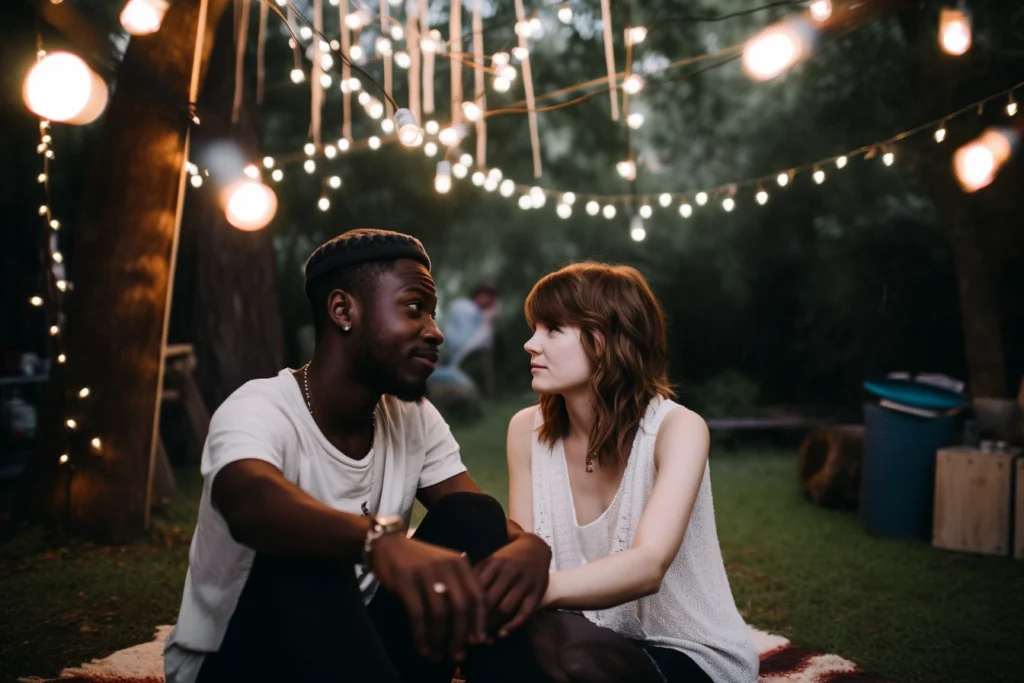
267,419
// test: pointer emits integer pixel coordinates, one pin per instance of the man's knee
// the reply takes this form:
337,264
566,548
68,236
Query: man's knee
472,522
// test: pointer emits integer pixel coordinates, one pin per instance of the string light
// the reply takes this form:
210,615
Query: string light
330,151
525,203
635,35
1011,106
298,75
501,84
373,142
762,197
383,47
820,10
635,120
459,171
940,133
71,423
537,197
143,17
443,177
430,149
356,20
637,232
343,145
252,172
776,48
702,198
565,13
334,181
665,200
449,137
685,210
54,330
63,459
36,301
61,358
646,211
888,158
277,175
323,203
520,53
326,80
466,160
593,208
249,204
569,198
397,32
478,178
326,61
472,111
402,59
841,162
563,210
819,176
954,31
609,211
506,188
782,179
356,53
61,87
309,166
728,204
268,162
96,444
388,126
977,163
626,169
633,84
83,392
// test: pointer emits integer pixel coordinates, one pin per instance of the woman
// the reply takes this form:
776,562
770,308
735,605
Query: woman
614,476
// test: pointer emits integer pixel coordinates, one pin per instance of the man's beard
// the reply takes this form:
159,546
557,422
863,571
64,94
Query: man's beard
377,371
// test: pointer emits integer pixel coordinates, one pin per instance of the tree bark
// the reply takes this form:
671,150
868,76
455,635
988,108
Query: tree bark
122,269
226,301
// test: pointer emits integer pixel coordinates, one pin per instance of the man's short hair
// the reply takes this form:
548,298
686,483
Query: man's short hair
353,261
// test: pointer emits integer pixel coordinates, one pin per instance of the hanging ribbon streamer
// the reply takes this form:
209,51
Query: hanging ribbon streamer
455,62
317,97
241,36
412,43
428,59
609,56
531,103
388,59
261,50
346,72
479,94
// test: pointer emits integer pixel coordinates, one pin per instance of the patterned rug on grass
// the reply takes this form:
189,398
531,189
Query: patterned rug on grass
781,662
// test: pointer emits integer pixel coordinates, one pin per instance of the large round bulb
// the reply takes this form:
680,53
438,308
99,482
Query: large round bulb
775,49
250,205
61,87
142,17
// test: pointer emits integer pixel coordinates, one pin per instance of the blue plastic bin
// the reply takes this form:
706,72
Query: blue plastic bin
898,473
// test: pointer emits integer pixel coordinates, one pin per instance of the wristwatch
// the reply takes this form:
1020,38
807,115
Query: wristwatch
382,526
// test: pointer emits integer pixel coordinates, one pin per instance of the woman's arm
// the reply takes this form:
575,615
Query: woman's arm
520,480
680,456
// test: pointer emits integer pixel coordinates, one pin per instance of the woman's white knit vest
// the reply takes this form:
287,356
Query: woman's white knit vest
694,611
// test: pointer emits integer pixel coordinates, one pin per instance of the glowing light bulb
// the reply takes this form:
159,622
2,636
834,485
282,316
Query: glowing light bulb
58,257
64,459
330,151
268,162
277,175
507,187
309,148
250,205
501,84
775,49
565,13
309,166
637,232
537,197
954,31
635,120
500,58
702,198
593,208
323,203
646,211
466,160
397,32
334,181
449,137
430,149
41,178
782,179
96,444
305,33
524,29
443,177
54,330
609,211
343,144
1011,107
36,301
819,176
298,75
563,210
977,163
60,87
478,178
373,142
356,53
55,224
633,84
841,162
568,198
635,35
71,423
375,109
685,210
940,134
762,197
143,17
728,204
196,180
61,358
326,61
409,132
251,171
326,80
665,200
383,47
888,158
472,111
459,171
820,10
364,98
358,19
83,392
525,203
387,126
626,169
520,53
402,59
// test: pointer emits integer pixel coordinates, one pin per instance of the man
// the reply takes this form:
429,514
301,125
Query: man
470,324
300,567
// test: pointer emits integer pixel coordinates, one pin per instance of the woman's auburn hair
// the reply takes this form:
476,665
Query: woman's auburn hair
623,332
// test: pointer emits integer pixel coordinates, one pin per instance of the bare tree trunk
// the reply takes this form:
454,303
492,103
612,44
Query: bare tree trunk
226,299
122,269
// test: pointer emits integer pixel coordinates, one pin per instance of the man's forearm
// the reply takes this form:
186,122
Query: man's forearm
271,515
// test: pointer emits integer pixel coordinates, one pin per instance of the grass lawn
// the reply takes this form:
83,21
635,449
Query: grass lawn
900,609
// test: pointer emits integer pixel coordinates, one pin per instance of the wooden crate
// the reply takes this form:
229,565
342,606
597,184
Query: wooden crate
1018,524
973,500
